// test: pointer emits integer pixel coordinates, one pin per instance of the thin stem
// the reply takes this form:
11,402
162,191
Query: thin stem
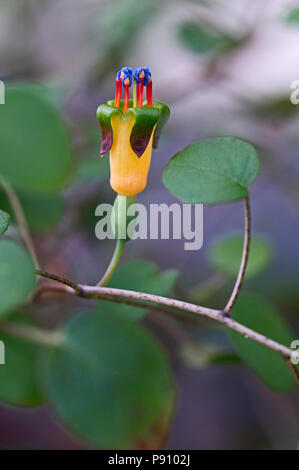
20,219
142,299
217,315
113,263
65,289
293,369
133,303
244,260
33,334
62,280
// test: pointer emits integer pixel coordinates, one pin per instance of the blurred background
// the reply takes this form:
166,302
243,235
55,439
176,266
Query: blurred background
224,68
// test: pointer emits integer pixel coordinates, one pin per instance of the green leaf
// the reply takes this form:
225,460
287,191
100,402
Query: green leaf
109,382
4,221
256,313
18,375
41,211
140,276
17,275
225,255
273,108
202,41
292,16
198,356
223,358
92,169
34,145
212,171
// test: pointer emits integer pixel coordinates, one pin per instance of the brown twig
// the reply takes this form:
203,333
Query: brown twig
61,280
142,300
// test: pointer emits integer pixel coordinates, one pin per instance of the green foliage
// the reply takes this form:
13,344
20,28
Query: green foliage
223,358
17,275
4,221
109,381
42,212
197,356
225,255
256,313
18,376
35,147
92,169
274,108
203,41
212,171
140,276
292,16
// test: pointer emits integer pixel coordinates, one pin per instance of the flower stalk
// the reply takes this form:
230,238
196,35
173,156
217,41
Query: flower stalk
113,263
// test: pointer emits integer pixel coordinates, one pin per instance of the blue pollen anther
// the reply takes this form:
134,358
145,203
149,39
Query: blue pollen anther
147,74
123,74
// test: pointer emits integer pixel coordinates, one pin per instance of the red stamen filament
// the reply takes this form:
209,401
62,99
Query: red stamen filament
126,103
138,94
149,93
140,98
117,93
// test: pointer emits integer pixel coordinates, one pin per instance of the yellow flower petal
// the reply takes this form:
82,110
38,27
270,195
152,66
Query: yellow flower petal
128,173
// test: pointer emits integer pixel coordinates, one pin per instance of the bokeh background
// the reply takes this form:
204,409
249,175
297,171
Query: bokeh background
224,68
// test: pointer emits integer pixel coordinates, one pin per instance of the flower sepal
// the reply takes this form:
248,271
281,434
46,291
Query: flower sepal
146,119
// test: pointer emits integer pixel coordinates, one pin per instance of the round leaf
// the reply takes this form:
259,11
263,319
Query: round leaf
202,41
34,145
109,382
256,313
92,169
18,375
212,171
292,16
44,211
4,221
140,276
225,255
41,211
17,275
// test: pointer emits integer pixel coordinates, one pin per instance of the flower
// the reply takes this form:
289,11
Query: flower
130,129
